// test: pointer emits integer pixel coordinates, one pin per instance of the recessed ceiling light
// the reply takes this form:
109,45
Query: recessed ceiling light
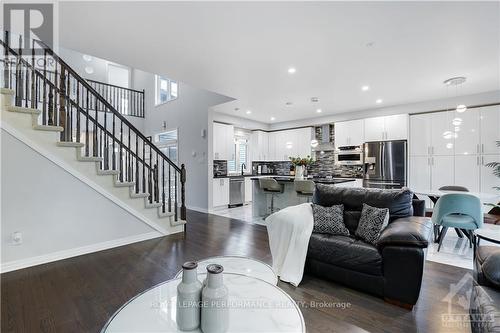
291,70
86,57
248,112
236,109
89,70
288,103
319,110
378,101
272,118
365,88
314,99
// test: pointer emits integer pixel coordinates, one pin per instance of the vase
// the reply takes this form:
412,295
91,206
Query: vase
189,298
299,171
214,310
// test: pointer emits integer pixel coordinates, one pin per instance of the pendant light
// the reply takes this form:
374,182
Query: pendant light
457,83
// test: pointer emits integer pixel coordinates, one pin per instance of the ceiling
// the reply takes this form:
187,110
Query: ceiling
402,50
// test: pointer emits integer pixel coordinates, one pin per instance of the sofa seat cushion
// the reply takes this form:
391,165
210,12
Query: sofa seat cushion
491,269
346,252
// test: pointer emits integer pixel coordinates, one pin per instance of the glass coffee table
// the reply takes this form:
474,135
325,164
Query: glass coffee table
256,304
491,234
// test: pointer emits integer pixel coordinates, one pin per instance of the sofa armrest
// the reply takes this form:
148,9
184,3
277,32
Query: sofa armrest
409,231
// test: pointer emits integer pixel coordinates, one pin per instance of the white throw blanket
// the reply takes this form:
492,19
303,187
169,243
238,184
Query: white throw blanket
289,231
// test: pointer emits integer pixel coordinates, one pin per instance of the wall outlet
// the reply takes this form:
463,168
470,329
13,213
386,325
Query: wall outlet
17,238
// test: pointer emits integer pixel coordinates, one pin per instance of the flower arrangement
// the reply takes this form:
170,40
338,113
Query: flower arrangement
301,161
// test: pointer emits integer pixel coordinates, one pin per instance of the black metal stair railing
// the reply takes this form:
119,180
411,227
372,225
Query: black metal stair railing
127,101
45,82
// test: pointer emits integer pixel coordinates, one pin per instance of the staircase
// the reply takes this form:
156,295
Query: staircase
48,106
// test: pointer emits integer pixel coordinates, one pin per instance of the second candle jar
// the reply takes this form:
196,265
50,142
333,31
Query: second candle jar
214,310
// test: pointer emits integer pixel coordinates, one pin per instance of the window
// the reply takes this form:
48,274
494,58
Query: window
168,144
241,152
166,90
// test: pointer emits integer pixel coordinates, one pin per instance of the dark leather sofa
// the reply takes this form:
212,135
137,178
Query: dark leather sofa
485,297
393,268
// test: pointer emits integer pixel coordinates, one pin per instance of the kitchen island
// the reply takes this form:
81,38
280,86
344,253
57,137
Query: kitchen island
261,200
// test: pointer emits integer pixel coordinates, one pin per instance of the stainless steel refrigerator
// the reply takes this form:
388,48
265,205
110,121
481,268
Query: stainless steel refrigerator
385,164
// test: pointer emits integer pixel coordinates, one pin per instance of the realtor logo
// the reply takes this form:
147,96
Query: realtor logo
32,21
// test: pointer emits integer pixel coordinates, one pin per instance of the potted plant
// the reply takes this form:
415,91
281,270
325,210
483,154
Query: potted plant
301,164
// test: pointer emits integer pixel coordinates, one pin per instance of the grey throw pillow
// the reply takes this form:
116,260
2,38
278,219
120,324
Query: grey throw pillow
372,221
329,220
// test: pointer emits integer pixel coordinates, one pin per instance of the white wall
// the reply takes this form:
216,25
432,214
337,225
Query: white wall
439,104
58,215
189,113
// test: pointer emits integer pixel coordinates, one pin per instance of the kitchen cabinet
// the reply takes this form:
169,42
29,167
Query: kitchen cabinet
393,127
248,189
420,135
349,133
442,133
488,181
223,142
220,192
467,171
420,173
489,117
466,131
260,146
289,143
304,136
442,171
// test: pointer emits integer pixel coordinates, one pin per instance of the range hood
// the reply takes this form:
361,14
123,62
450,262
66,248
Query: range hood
324,134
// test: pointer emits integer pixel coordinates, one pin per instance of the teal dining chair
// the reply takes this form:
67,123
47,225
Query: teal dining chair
457,210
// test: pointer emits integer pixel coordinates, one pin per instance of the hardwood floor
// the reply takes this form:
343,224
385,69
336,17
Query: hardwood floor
80,294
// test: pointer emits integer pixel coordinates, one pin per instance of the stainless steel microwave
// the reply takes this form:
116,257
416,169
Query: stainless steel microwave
349,155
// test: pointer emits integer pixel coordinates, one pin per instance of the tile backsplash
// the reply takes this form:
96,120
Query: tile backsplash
325,166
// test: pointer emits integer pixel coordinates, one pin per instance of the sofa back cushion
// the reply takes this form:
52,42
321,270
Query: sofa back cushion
399,201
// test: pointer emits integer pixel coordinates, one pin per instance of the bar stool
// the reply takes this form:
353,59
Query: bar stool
304,188
271,187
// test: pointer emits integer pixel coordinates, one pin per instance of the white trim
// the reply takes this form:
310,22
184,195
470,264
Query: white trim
64,254
198,209
63,165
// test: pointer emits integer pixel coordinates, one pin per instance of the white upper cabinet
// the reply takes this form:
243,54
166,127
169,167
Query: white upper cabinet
260,146
349,133
289,143
304,141
386,128
442,133
489,117
420,135
223,142
465,126
375,129
396,127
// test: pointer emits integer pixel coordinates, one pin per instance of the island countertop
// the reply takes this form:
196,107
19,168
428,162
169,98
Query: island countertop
316,180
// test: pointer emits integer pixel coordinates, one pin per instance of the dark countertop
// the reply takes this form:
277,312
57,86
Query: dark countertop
238,176
316,180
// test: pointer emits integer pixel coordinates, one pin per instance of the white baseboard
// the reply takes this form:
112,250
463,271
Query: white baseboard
60,255
198,209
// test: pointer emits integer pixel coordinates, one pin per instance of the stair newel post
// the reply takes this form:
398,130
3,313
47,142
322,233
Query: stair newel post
26,83
96,119
51,106
6,65
62,104
106,145
69,110
183,192
143,166
163,185
44,92
77,111
157,178
19,82
176,203
170,188
121,151
33,94
54,111
113,157
129,156
87,141
136,164
150,184
143,94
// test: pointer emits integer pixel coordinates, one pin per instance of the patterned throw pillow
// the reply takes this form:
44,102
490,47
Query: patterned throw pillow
329,220
372,221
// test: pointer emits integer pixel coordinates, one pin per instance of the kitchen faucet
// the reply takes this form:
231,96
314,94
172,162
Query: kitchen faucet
243,167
